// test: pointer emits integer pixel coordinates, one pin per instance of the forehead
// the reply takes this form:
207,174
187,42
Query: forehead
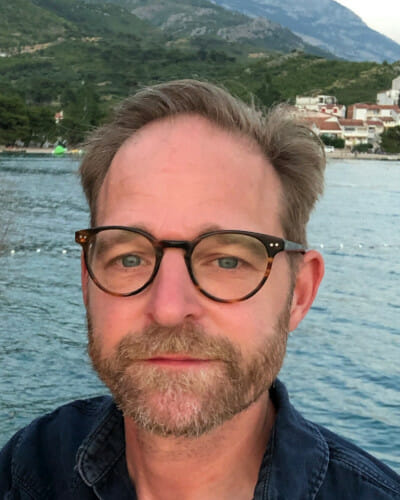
189,172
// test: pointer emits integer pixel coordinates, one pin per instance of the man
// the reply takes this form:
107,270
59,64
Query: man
194,270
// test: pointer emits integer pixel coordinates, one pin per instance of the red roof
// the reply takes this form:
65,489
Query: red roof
378,123
390,106
323,123
348,121
331,106
361,105
329,126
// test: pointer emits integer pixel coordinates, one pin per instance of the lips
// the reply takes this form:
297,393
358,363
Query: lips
177,360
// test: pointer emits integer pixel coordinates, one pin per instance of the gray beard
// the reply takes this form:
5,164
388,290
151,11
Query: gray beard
171,403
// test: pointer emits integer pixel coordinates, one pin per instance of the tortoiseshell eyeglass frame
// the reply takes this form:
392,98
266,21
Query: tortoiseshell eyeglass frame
272,244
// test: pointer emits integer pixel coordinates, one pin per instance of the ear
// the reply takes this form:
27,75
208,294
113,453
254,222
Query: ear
309,276
84,281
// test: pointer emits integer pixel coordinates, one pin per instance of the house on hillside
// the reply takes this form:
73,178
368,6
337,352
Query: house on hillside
391,96
363,111
59,116
354,131
324,124
375,129
321,103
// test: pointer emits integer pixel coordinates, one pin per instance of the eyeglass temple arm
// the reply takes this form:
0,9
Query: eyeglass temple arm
291,246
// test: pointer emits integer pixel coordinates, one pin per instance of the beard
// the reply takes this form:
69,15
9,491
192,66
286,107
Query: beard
187,403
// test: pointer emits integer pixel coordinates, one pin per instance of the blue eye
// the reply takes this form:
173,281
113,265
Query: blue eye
131,261
228,262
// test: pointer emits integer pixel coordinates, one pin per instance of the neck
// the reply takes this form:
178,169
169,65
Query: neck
221,464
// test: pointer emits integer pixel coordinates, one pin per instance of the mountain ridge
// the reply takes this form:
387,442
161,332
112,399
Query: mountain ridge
325,23
97,53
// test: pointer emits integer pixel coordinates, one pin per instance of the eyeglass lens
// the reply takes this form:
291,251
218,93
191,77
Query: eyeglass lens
226,266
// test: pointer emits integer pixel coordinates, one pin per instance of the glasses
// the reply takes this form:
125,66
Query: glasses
226,265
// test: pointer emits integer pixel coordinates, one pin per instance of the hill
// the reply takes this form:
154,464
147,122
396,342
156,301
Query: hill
326,24
93,54
191,21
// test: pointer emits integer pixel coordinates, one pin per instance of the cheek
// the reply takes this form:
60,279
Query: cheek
111,317
253,322
248,324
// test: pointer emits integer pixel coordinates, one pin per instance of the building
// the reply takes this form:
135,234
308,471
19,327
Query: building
59,116
353,132
389,113
391,96
321,103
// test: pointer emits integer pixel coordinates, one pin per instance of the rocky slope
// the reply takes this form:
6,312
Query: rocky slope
325,23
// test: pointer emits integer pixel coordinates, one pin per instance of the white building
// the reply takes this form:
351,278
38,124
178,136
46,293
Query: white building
391,96
321,103
388,113
354,131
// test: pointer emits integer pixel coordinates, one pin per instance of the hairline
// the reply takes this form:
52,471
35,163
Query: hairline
246,142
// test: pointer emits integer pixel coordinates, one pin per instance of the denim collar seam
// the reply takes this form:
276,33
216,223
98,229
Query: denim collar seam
366,473
96,439
318,475
267,469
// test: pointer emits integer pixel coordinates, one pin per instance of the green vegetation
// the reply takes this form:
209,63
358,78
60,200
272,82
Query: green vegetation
22,23
390,140
336,142
25,123
96,53
362,148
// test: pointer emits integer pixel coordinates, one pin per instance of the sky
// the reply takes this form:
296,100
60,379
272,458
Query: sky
380,15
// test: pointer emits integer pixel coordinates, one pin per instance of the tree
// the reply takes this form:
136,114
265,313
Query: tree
362,148
336,142
268,93
42,127
14,122
390,140
82,112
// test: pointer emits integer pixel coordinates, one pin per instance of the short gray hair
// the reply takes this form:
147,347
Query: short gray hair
294,151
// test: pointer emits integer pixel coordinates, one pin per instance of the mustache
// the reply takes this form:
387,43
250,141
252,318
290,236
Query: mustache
188,339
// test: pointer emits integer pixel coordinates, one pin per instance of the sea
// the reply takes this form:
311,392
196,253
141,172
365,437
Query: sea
342,367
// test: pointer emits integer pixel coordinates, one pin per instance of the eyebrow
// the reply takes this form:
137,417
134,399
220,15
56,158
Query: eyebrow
206,228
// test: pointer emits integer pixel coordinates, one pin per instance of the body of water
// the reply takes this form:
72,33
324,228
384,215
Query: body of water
343,363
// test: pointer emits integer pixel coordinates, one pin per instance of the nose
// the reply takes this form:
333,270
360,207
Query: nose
172,297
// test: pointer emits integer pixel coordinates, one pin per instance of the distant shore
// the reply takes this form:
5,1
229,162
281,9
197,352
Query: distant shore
338,154
35,151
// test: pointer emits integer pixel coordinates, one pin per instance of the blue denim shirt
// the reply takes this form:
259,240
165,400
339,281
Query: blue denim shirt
78,452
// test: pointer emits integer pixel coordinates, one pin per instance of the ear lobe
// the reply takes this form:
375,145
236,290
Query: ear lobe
308,279
84,281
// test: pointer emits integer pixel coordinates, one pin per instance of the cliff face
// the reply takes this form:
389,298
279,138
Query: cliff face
324,23
195,19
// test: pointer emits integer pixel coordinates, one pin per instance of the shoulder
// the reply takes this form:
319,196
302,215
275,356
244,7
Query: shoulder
309,461
355,473
47,447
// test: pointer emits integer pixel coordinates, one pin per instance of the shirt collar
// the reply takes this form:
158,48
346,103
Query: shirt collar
297,457
294,465
103,447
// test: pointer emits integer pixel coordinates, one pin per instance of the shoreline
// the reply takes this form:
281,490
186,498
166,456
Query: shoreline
348,155
335,155
36,151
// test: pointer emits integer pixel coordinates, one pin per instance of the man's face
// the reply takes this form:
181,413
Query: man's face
177,362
